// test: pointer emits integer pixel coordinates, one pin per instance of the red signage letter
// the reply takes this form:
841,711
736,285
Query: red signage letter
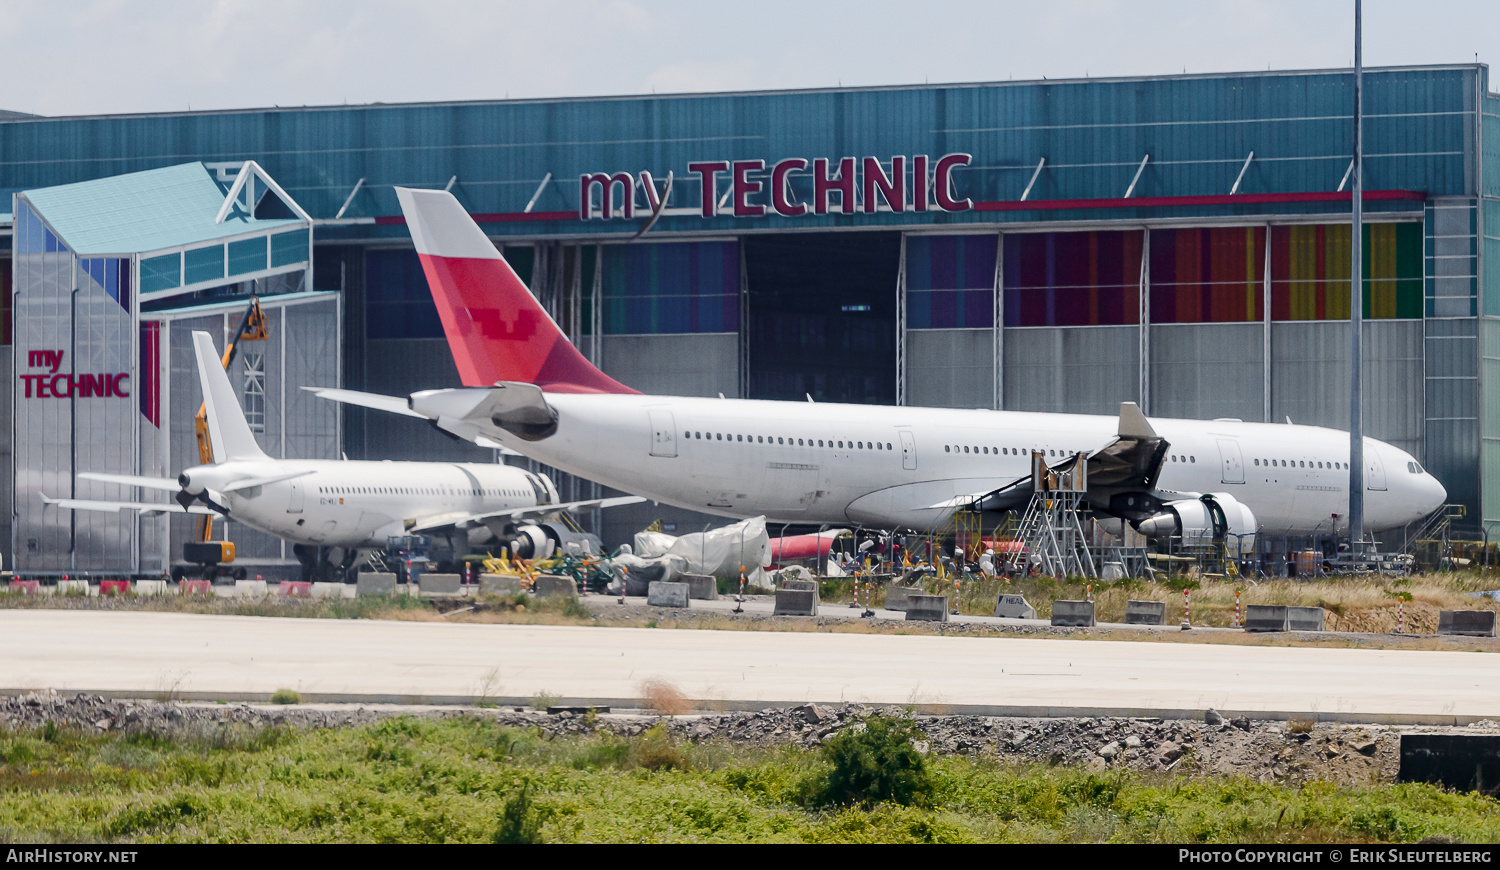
781,199
919,182
892,189
823,185
943,181
707,170
606,185
744,187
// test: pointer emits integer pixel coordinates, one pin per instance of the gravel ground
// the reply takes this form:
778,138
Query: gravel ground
1267,751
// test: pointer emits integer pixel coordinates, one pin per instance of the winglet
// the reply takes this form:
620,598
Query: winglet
1133,424
228,432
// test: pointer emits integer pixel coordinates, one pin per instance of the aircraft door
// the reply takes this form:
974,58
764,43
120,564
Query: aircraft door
294,506
663,434
1374,471
1231,461
908,450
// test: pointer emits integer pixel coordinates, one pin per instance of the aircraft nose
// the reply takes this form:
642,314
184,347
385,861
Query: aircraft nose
1434,494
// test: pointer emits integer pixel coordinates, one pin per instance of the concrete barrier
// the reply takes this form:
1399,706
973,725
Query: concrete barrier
116,587
701,586
1463,762
927,608
28,587
1304,619
151,587
440,586
250,589
498,584
195,587
667,594
794,601
1145,612
1073,614
1014,607
328,590
296,588
897,597
1469,623
74,587
548,585
374,583
1265,617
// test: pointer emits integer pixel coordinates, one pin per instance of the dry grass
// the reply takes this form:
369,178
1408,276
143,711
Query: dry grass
1298,725
664,699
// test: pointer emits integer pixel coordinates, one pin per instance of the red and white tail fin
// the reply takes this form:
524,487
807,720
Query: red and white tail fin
496,329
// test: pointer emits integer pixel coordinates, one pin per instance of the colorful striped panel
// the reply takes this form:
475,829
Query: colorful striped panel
1310,272
950,281
1207,275
671,288
149,388
1073,279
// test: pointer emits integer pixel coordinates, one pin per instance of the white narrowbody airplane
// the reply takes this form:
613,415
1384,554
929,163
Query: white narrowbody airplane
883,467
348,505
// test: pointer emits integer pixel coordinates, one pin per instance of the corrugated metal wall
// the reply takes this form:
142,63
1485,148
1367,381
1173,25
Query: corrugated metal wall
675,365
950,368
1208,370
1197,129
1078,371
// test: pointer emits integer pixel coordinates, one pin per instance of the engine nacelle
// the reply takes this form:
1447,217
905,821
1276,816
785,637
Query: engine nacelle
1200,521
533,542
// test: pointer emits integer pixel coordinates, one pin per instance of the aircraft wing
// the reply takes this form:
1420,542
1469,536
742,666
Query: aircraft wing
164,483
81,504
1130,462
534,512
398,405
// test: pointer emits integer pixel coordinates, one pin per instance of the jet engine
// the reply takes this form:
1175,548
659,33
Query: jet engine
1204,520
540,540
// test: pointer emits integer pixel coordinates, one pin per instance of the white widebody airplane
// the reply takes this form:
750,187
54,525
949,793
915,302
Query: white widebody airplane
884,467
347,505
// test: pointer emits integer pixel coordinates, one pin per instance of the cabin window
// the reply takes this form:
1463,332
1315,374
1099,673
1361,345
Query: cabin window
947,449
1192,459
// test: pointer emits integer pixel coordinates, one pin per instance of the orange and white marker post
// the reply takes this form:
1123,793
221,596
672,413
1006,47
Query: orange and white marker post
739,601
1236,609
1400,615
1186,624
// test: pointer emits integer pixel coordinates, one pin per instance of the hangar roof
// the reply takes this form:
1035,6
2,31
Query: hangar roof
144,211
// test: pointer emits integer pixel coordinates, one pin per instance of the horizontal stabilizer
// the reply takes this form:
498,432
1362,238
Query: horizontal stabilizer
520,514
252,482
80,504
163,483
391,404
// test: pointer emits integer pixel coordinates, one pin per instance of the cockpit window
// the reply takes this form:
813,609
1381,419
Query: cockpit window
1414,467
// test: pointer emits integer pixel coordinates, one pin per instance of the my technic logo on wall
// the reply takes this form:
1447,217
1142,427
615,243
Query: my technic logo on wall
862,185
51,385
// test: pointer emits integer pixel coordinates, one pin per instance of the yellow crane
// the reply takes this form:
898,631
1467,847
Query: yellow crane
252,328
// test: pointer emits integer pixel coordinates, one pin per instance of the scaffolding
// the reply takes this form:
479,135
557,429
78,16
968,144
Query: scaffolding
1051,532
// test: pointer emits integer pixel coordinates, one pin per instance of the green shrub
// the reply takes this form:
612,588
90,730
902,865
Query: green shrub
878,763
520,824
286,696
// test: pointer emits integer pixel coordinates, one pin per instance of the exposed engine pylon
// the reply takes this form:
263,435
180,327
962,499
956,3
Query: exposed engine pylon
1214,518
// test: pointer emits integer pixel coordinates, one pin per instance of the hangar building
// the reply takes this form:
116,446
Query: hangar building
1180,241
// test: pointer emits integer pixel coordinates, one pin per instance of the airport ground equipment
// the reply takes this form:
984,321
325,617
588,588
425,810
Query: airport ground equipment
207,559
1051,531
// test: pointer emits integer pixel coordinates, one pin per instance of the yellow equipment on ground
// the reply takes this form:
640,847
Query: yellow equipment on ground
252,328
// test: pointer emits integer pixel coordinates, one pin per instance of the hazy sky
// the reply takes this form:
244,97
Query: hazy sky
95,56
